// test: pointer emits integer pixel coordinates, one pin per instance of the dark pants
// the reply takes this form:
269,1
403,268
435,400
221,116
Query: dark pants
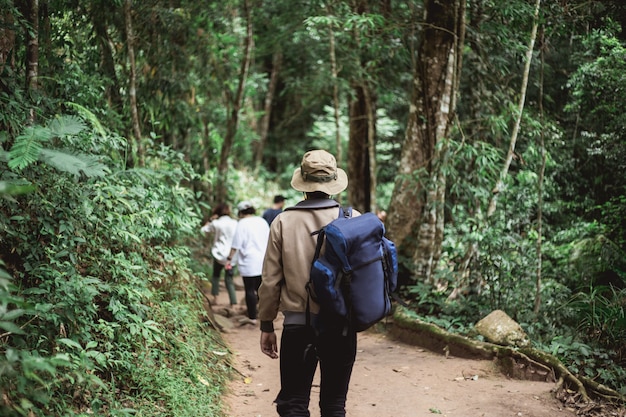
228,279
251,285
300,352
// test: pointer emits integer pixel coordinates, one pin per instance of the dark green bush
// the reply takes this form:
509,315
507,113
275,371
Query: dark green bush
101,314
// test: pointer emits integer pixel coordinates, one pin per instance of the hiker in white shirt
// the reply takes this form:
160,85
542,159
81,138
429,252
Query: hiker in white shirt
222,227
250,243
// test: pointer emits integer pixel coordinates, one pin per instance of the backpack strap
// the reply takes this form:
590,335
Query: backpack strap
321,234
345,213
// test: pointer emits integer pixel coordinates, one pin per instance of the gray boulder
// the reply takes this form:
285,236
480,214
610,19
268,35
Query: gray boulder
497,327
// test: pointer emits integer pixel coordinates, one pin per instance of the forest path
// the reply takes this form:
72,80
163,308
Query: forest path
390,379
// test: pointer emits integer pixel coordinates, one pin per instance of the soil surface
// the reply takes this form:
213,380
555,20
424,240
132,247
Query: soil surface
390,379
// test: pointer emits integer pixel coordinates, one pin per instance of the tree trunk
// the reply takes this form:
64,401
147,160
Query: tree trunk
415,218
132,87
362,140
107,64
358,152
542,171
264,127
334,74
32,52
7,37
370,109
235,106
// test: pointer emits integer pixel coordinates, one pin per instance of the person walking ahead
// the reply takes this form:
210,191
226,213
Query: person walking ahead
222,227
249,244
290,251
270,214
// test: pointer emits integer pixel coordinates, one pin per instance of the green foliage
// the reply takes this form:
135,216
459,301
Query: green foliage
28,148
601,315
103,302
597,84
597,151
99,284
583,256
592,362
323,136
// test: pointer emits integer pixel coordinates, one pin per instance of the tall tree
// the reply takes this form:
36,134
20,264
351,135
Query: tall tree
362,109
7,37
334,72
540,178
132,87
235,103
32,51
518,117
99,13
415,219
264,125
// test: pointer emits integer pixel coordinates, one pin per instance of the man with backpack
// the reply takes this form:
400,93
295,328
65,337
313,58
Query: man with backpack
307,338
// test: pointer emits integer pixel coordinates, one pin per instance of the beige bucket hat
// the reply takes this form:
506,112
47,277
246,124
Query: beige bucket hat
318,172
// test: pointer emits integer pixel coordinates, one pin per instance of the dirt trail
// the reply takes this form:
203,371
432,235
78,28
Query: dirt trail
390,379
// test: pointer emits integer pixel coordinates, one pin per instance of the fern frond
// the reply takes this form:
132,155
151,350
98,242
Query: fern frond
27,146
66,125
74,163
90,117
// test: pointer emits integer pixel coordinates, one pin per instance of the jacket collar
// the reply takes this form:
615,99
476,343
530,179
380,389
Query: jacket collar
313,204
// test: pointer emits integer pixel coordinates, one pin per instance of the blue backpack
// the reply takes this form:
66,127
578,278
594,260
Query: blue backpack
355,276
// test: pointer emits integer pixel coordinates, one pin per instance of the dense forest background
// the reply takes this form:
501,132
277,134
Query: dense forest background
492,132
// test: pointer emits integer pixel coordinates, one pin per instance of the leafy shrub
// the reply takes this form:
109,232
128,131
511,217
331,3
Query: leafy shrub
102,304
592,362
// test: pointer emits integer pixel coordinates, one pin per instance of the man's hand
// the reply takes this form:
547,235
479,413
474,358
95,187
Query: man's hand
268,344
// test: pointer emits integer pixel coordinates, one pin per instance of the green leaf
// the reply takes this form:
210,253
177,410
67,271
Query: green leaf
77,164
90,116
70,343
11,327
12,355
99,357
27,146
13,314
66,125
61,359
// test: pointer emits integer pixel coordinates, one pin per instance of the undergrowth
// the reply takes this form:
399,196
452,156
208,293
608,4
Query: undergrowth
99,309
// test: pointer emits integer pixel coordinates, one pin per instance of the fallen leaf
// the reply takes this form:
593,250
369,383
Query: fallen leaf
203,381
247,380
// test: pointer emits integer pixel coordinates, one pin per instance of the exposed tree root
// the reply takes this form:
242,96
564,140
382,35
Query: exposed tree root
522,363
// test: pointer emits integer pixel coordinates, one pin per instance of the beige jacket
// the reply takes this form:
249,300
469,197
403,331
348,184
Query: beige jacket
288,258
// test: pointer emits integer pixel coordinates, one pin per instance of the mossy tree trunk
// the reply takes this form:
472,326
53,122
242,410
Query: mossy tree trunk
415,219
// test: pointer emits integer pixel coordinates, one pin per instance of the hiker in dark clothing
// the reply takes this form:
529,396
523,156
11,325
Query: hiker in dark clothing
275,210
290,250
